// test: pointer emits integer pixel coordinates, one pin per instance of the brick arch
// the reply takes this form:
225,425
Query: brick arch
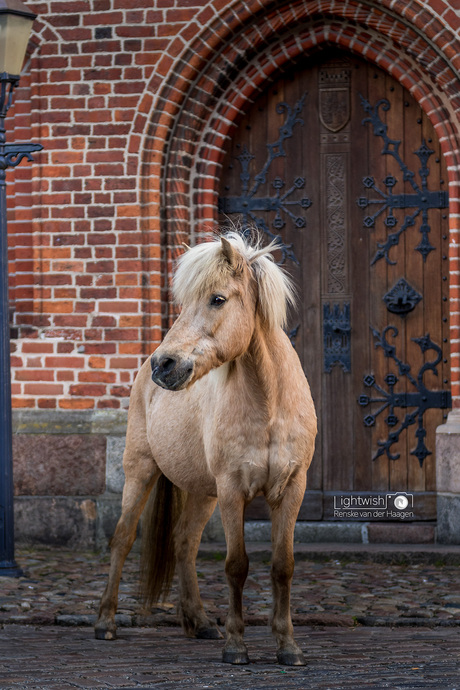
211,147
204,96
235,58
231,61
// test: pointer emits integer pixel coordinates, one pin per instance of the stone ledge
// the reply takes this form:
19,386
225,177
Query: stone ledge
310,531
105,422
341,552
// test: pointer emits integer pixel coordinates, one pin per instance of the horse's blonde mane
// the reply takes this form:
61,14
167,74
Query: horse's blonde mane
204,267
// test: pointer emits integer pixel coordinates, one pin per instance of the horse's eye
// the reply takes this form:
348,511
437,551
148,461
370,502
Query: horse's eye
217,300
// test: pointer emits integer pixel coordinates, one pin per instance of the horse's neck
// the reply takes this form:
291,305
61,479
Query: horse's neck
262,364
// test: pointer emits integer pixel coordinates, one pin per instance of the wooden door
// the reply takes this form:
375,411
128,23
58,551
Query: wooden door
340,165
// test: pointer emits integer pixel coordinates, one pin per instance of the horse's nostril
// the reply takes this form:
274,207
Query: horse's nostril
169,372
167,365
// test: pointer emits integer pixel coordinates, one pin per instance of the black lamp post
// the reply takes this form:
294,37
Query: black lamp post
15,26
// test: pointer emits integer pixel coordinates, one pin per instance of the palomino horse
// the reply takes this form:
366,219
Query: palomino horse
227,417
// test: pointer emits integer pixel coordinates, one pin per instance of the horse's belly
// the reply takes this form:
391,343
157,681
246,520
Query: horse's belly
176,442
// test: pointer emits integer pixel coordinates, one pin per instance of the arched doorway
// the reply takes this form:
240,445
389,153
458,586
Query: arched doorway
337,161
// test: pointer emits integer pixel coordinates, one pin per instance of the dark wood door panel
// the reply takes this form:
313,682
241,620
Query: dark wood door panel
340,164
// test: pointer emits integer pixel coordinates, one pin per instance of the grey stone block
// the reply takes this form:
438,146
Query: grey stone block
448,455
448,480
317,532
448,524
56,521
63,465
257,530
115,476
214,531
108,513
407,533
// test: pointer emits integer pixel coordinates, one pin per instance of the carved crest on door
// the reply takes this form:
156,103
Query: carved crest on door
334,96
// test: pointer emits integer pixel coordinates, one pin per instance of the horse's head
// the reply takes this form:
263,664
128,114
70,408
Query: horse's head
222,286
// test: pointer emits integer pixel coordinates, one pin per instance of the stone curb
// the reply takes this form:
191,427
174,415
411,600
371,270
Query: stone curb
160,620
390,554
412,622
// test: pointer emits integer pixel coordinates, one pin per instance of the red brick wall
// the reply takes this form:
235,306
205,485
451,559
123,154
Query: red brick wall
133,107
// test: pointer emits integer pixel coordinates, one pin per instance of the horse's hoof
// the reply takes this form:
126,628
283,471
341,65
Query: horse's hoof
291,658
105,634
209,633
231,657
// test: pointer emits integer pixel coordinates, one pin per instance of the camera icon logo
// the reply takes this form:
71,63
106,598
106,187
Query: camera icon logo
401,502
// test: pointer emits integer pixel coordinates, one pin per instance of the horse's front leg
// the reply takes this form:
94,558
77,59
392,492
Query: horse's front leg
236,569
187,534
140,476
284,516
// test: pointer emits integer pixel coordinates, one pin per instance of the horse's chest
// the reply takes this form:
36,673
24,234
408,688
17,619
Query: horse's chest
252,460
254,478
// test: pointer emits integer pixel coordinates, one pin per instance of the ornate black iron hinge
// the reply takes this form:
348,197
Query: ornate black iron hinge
248,204
422,199
336,336
421,399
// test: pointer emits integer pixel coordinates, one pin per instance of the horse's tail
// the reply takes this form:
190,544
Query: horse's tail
157,552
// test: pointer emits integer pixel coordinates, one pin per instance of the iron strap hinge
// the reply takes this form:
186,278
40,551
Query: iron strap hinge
246,204
424,400
422,200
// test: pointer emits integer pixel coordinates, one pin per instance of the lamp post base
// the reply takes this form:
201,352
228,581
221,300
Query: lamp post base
10,569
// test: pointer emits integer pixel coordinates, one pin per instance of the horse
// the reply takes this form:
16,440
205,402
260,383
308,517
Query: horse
221,412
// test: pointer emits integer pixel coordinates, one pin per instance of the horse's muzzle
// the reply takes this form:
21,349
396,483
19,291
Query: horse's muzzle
170,373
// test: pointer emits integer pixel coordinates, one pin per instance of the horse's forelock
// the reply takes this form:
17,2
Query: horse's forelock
204,267
199,269
276,290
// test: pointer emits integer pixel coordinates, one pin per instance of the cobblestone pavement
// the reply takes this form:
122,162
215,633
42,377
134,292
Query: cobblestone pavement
388,622
64,588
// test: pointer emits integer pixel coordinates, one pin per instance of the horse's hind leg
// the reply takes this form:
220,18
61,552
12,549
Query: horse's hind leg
284,518
141,474
187,536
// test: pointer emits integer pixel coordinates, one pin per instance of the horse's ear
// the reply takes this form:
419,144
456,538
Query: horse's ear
229,253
